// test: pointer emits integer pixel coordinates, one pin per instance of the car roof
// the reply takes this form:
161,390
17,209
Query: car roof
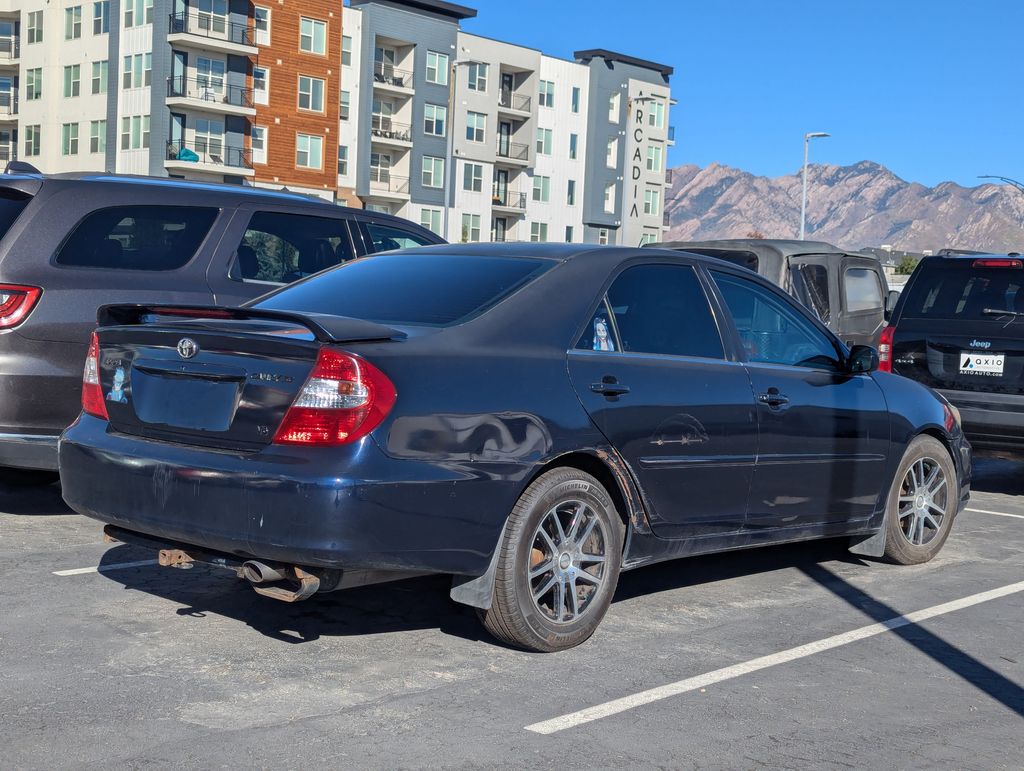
964,257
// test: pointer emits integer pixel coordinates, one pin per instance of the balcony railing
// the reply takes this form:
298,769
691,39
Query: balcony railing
509,200
8,153
10,48
212,25
513,101
516,152
383,180
8,103
388,75
211,152
214,90
385,128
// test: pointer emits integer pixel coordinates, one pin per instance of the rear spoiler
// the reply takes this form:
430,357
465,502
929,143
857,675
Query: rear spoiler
325,328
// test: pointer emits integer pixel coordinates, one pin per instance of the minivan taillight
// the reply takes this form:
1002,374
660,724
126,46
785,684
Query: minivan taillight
16,302
885,349
93,402
343,400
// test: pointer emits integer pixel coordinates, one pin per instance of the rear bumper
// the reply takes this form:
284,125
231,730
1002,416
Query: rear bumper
991,421
29,451
348,508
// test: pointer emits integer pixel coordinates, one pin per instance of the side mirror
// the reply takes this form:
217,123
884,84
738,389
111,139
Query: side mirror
890,303
863,358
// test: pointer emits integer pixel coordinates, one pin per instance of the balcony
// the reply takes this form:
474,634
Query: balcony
385,131
212,157
665,220
211,31
10,51
384,184
513,203
8,153
510,101
668,176
512,153
8,106
387,78
671,135
210,94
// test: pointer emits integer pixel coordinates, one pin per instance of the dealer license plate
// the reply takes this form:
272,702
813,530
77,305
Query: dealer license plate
983,364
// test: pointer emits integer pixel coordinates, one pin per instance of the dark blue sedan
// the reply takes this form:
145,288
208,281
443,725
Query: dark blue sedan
531,419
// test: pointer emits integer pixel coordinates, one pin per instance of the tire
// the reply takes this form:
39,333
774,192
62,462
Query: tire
521,614
913,537
24,477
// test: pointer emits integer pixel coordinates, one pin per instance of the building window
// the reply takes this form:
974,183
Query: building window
309,151
477,76
342,160
652,201
139,12
648,238
138,71
433,171
99,77
73,26
539,231
541,189
313,36
69,139
35,34
346,50
437,68
135,132
570,194
261,21
259,144
431,220
98,136
576,99
345,105
72,80
609,198
602,236
33,136
473,177
260,84
614,102
656,117
470,228
101,17
210,74
476,122
34,83
547,93
654,158
435,117
380,168
611,159
568,234
311,94
544,141
574,142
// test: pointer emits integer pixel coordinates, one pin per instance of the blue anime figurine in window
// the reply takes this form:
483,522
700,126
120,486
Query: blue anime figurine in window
602,339
117,393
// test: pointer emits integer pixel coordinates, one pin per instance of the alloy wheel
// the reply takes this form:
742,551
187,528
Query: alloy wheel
923,499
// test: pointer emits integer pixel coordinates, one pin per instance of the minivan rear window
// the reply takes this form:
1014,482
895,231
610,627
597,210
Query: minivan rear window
955,289
420,289
137,237
12,204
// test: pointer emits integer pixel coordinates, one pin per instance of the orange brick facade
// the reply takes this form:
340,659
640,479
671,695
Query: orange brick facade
282,117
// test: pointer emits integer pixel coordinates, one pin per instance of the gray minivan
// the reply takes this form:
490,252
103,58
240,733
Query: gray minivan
71,243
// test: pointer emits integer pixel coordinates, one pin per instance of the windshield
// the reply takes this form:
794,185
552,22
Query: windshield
957,290
423,289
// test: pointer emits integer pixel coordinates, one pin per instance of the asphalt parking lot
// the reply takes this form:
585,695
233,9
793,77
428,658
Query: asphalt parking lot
795,656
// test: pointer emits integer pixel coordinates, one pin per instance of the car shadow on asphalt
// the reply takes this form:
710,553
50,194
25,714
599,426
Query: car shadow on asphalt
33,501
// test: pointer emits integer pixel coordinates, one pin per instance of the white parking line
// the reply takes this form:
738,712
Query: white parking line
103,568
616,706
996,513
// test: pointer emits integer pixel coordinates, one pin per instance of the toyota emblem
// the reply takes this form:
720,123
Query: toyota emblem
187,348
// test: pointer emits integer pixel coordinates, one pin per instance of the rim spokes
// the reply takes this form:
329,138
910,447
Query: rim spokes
922,501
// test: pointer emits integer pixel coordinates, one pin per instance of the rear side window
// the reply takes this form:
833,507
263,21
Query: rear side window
386,238
137,237
430,290
954,289
282,248
811,283
862,290
659,309
12,204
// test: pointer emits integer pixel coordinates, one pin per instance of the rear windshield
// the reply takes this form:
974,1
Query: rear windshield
422,289
957,290
12,203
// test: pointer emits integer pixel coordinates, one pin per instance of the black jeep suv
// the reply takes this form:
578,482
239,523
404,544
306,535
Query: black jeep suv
959,328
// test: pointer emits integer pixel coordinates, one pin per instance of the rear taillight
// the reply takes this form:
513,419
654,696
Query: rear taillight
93,402
998,262
16,302
343,400
885,349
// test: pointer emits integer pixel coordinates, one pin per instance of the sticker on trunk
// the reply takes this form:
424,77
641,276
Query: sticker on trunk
985,364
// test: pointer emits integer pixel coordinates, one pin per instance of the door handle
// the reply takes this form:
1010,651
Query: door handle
773,398
609,387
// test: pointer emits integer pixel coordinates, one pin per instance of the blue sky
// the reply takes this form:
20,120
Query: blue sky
932,89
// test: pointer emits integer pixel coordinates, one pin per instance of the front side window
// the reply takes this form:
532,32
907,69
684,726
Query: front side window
137,237
771,330
476,123
313,36
433,171
477,80
309,151
473,177
311,94
386,238
281,248
437,68
862,290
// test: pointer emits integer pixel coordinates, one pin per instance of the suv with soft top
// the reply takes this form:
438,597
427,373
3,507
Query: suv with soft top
71,243
959,328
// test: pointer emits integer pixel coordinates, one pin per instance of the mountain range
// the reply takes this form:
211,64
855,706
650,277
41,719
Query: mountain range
855,206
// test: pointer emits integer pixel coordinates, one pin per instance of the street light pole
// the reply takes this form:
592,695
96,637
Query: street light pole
449,157
803,198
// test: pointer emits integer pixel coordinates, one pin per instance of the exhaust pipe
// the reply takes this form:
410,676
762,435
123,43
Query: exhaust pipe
260,573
